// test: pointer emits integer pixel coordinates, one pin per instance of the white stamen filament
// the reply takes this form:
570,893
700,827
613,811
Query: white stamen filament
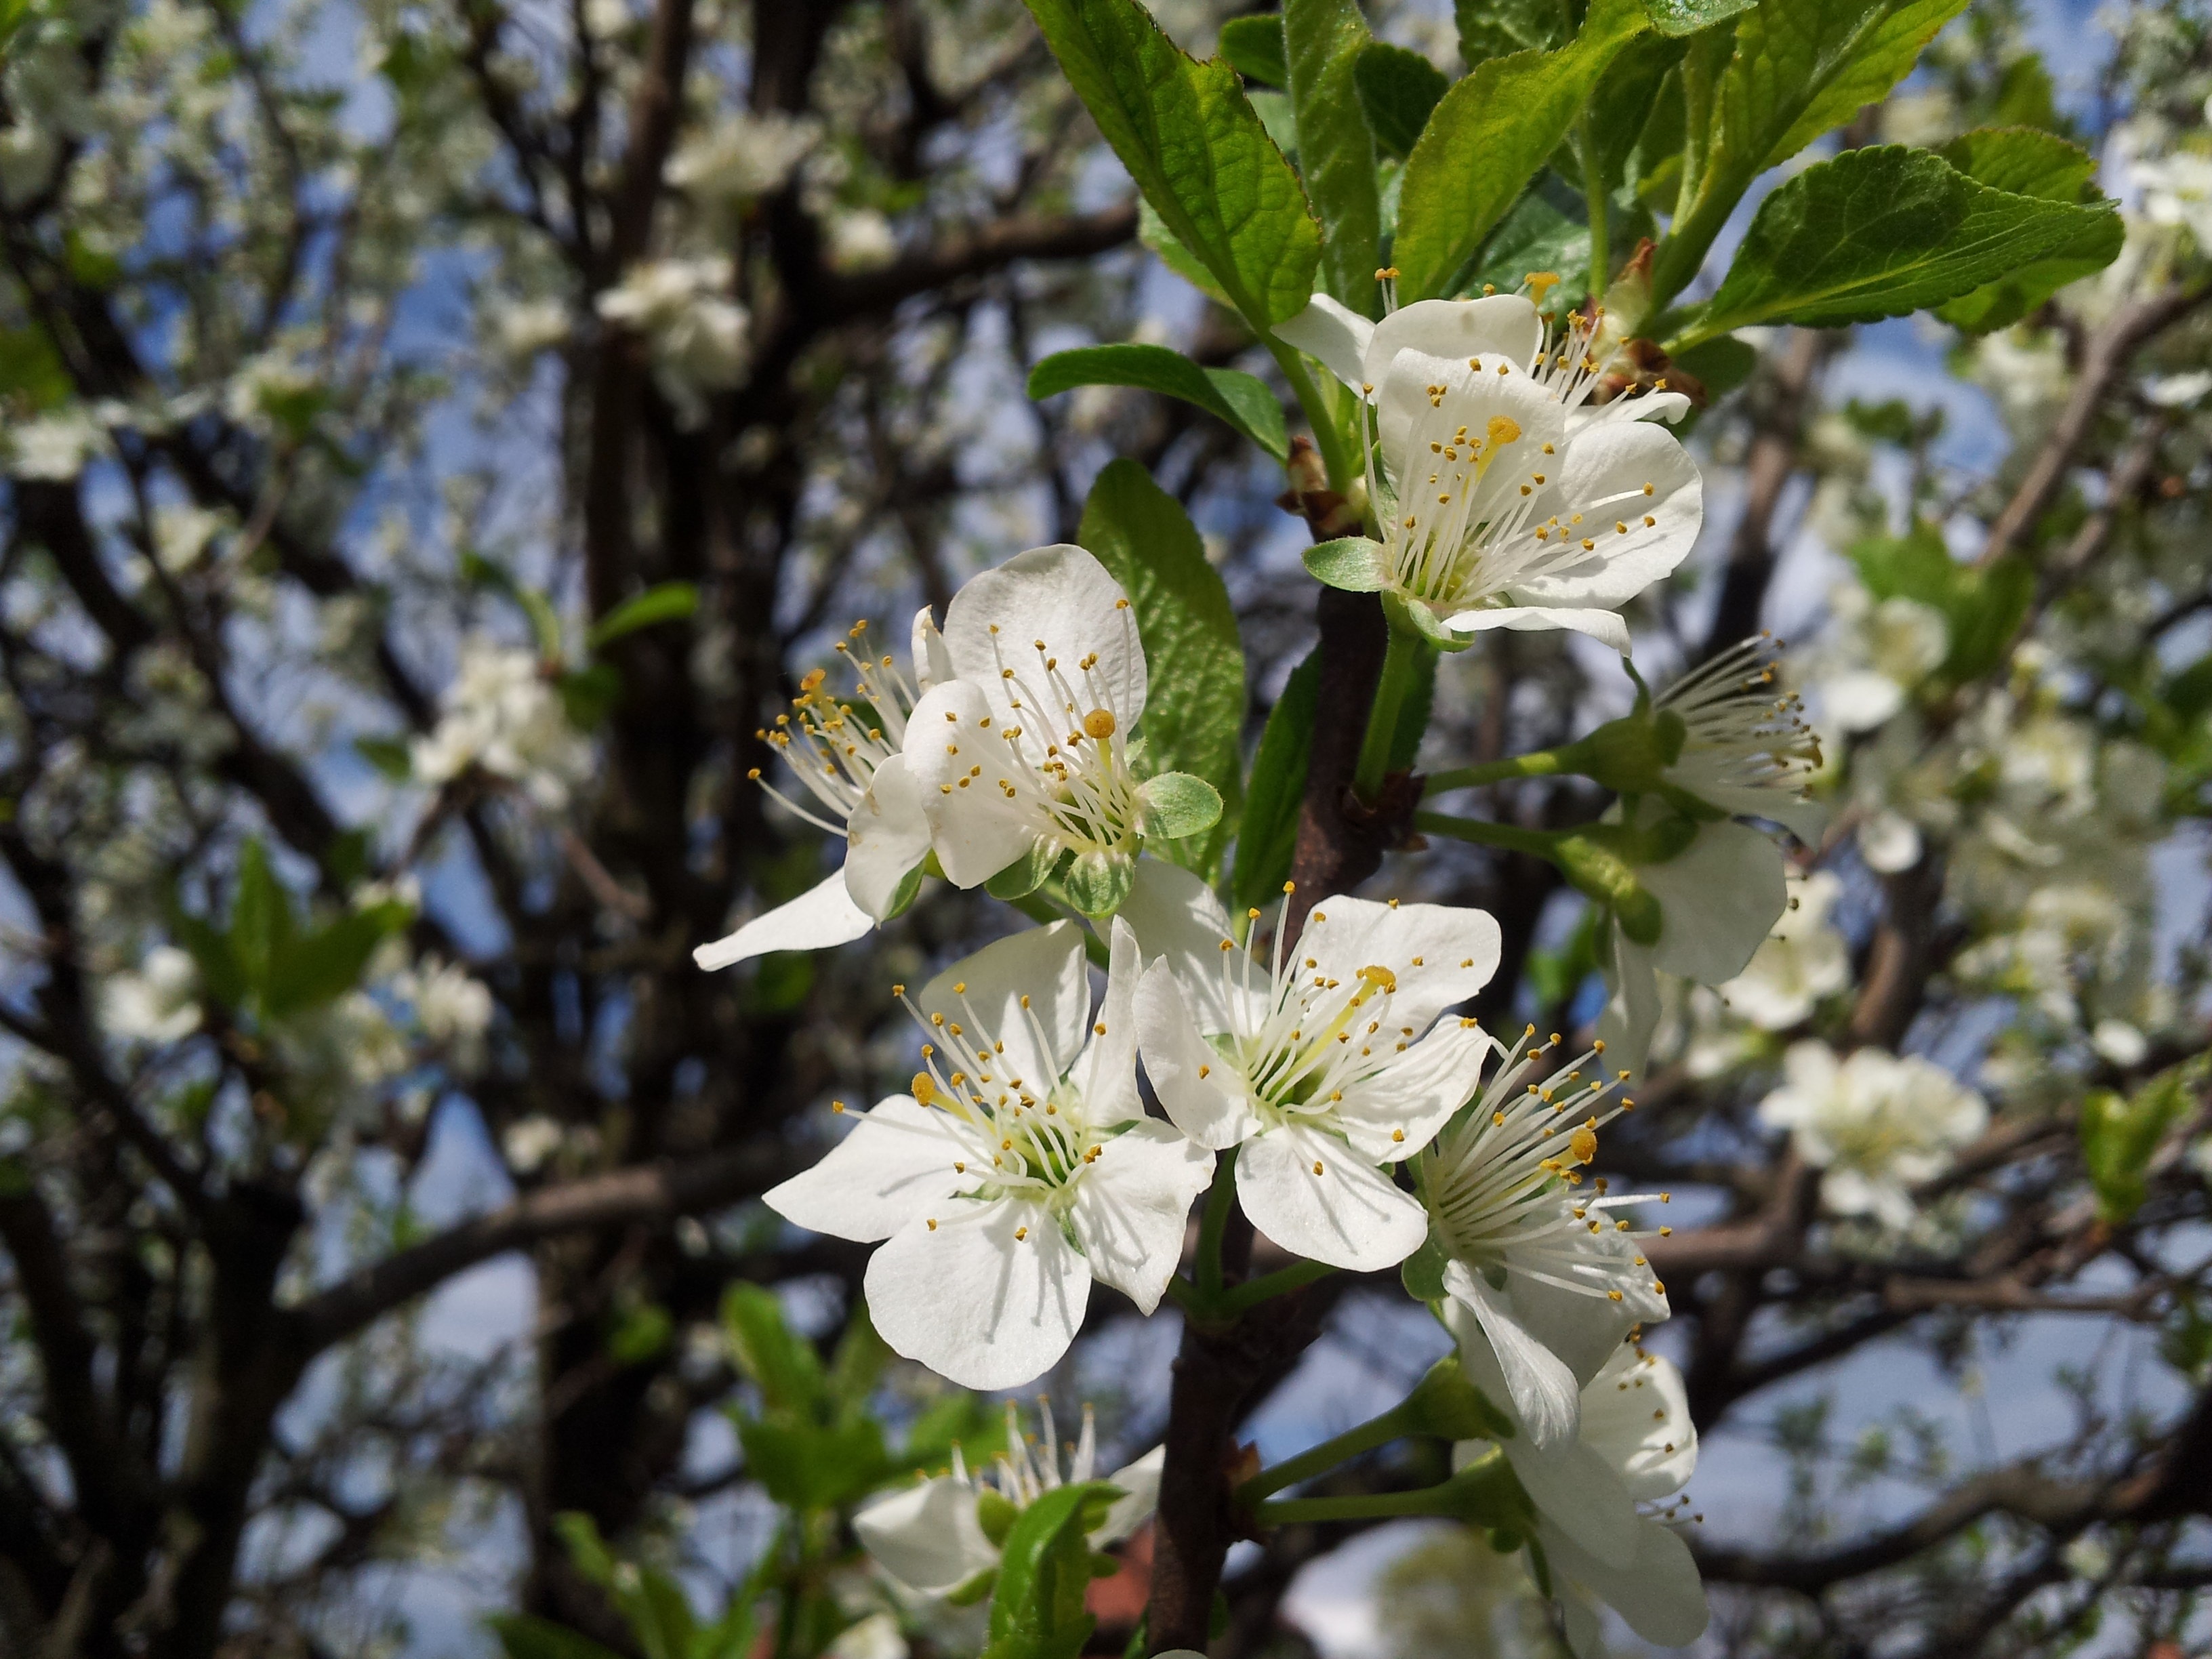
1740,735
828,746
1066,749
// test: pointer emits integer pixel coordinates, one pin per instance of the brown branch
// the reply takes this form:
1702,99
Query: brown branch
2103,360
973,252
655,1193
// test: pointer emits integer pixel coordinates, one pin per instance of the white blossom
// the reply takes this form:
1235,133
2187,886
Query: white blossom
1504,501
742,156
851,762
1877,1123
1535,1268
159,1002
1026,754
1602,1502
697,331
1020,1168
1803,960
1325,1064
1876,653
928,1539
501,714
1746,747
529,1142
56,447
453,1007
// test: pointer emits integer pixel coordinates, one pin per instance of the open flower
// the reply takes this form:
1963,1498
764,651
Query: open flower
849,757
1025,761
1567,358
1601,1503
502,715
1533,1267
1803,960
931,1538
1325,1064
1020,1168
1878,1123
1746,747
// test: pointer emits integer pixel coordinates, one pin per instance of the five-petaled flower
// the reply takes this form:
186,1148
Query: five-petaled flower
1020,1167
1325,1063
1503,500
1026,760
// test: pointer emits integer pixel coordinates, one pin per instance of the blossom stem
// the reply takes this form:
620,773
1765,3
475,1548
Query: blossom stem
1539,843
1601,253
1358,1506
1319,1460
1542,763
1401,662
1268,1286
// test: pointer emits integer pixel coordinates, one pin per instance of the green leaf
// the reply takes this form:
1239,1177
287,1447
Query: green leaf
782,1364
1720,365
1044,1568
389,756
1253,47
1352,564
1799,68
1983,607
1240,400
1153,233
668,602
1178,805
1195,149
222,975
1194,656
314,970
2119,1136
1547,230
1877,232
1413,709
858,1364
1487,139
1268,833
1687,16
809,1467
1422,1273
260,917
1336,153
1497,28
523,1635
2033,163
1398,89
641,1334
1624,101
589,694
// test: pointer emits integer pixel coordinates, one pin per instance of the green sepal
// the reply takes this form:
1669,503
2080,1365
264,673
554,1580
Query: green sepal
1026,874
995,1514
1487,1493
1445,1404
903,894
1178,804
971,1591
1351,563
1415,616
1598,869
1098,883
1422,1273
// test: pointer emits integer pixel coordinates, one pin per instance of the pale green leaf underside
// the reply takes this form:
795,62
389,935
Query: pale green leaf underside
1241,400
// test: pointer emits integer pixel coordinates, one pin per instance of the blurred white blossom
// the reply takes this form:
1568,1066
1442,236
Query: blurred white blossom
1803,959
1877,1123
697,332
501,715
746,155
157,1003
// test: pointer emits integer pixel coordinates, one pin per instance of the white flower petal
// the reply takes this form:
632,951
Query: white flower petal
1410,408
932,663
1636,1416
886,836
1177,920
1333,335
1139,1482
973,1301
1631,1012
1667,406
1501,1356
1064,597
1721,894
1211,1109
1577,1493
1106,1074
1044,967
1417,1097
1437,954
1659,1593
1889,842
1604,626
1501,325
821,916
976,830
926,1536
897,1162
1310,1194
1617,476
1131,1205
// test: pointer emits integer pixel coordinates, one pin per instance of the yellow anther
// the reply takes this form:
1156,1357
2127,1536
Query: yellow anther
923,1088
1099,724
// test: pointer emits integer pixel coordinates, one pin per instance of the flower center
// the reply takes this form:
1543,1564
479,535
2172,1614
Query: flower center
1066,745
